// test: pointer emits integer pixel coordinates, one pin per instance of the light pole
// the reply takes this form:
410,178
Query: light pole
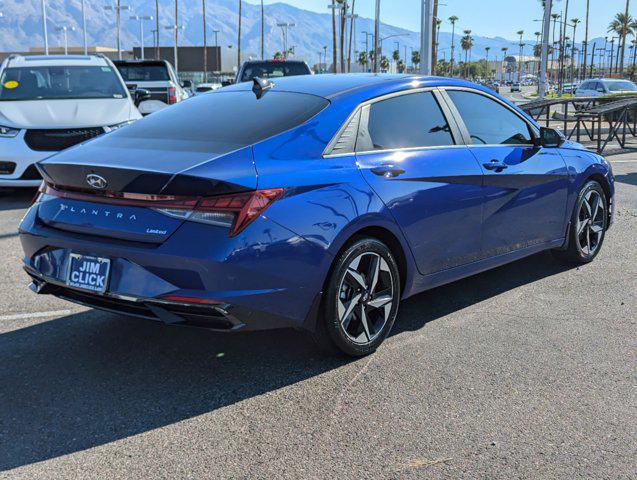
546,26
352,36
44,31
118,13
84,28
284,28
217,51
426,36
175,28
64,31
141,19
376,35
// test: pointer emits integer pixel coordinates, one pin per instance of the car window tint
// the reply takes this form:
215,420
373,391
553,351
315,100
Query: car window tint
412,120
218,122
488,122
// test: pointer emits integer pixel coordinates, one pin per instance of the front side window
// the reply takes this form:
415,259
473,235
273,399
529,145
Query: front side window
60,83
489,122
408,121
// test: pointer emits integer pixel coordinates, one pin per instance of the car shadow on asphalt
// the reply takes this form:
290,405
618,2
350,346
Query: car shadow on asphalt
627,178
90,378
16,199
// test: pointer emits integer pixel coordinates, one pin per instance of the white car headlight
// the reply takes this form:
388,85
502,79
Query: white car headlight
117,126
8,131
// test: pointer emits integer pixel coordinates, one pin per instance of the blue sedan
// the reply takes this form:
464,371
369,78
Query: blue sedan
312,202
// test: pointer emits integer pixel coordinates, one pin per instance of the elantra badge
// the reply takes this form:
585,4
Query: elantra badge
96,181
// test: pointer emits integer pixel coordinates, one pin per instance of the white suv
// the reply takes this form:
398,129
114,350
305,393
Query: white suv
49,103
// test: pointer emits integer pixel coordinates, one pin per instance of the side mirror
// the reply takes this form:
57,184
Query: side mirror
141,94
186,84
551,138
227,83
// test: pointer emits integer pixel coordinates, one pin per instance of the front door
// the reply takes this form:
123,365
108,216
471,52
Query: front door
525,185
431,186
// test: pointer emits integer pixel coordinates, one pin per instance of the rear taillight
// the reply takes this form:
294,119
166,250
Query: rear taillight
172,95
235,211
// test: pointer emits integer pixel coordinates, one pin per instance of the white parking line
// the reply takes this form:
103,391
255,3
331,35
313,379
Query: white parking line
623,161
20,316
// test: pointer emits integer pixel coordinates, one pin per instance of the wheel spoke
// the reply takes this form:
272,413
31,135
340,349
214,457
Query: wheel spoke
380,301
595,206
358,278
587,207
363,319
597,227
581,224
345,310
374,272
588,240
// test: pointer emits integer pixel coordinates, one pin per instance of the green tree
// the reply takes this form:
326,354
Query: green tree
362,59
384,63
415,58
400,66
621,26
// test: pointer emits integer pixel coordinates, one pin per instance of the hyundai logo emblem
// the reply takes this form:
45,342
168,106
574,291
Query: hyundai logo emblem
96,181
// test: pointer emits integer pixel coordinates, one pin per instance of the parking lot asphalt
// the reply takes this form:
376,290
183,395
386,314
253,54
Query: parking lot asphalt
526,371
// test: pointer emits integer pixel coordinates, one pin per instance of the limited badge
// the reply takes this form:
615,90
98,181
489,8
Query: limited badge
11,84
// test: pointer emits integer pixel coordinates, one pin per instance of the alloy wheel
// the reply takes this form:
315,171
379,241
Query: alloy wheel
365,297
590,222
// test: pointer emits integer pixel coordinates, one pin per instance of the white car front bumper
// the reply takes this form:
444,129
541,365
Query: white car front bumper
14,150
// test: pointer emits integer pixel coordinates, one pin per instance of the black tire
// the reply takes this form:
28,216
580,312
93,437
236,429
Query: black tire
372,308
587,230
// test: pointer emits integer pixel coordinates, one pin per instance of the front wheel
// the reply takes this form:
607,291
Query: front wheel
588,225
361,300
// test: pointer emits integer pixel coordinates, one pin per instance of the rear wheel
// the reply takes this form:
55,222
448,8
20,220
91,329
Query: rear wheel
361,300
588,225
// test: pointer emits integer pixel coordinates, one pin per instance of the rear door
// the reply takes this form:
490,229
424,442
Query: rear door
413,157
525,185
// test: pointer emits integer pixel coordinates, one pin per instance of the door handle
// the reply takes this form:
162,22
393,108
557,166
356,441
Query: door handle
387,171
496,165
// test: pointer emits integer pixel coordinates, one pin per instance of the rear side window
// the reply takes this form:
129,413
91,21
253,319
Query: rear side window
407,121
489,122
218,122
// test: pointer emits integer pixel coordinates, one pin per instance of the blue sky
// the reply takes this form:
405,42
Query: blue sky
484,17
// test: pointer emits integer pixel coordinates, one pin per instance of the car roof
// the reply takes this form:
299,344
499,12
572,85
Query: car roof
53,60
369,85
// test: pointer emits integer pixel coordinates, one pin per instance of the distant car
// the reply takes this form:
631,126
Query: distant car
271,69
206,87
49,103
515,87
495,86
604,86
157,76
570,87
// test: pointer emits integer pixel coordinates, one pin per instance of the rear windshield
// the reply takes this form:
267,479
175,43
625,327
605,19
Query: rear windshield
218,122
147,72
60,82
273,70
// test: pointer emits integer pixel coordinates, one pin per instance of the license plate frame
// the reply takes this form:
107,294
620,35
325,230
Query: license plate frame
95,267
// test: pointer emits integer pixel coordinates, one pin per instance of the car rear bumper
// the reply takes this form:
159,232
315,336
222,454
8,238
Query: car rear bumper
266,277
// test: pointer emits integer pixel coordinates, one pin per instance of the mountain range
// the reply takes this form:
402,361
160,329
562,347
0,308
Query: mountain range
21,28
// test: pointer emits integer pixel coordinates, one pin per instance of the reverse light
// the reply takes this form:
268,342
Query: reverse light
234,211
8,131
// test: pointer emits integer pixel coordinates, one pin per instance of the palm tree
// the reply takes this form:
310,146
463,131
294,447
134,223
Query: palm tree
400,66
586,40
466,43
352,32
262,32
341,40
415,58
362,59
452,19
520,33
504,54
574,22
620,26
555,17
384,63
486,49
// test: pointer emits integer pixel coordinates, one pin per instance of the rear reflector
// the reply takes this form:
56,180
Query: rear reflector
197,300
